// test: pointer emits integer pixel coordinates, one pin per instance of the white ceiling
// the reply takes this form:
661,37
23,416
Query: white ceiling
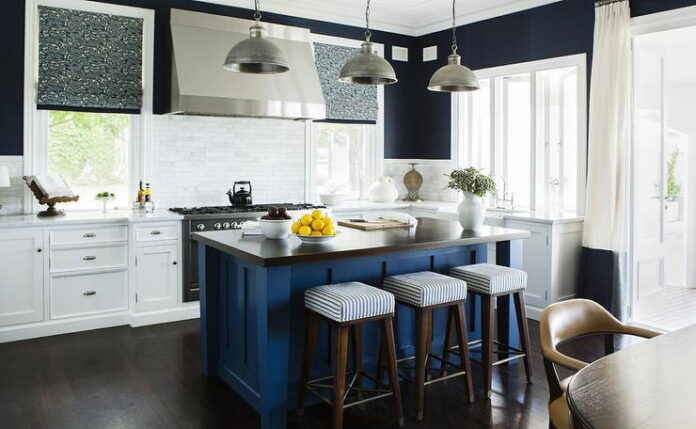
410,17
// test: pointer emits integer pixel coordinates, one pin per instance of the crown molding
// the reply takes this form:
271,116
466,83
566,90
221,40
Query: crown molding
400,22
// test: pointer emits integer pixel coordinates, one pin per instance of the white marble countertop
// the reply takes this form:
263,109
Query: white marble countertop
540,216
88,217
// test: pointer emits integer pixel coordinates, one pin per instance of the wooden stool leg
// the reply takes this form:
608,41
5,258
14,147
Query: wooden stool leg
311,329
488,327
356,332
380,362
523,327
448,341
422,325
462,337
390,357
340,375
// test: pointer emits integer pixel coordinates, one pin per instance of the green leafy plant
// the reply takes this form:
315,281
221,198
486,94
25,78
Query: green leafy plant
471,180
674,188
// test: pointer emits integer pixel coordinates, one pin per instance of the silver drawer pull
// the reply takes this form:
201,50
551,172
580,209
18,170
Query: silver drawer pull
89,258
89,293
155,232
90,235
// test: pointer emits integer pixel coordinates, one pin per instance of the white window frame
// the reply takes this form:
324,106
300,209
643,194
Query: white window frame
36,121
462,105
374,154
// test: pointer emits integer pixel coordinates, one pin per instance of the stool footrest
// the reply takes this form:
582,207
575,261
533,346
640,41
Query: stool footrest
447,365
315,384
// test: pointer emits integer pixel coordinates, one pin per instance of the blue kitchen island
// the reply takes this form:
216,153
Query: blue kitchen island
252,299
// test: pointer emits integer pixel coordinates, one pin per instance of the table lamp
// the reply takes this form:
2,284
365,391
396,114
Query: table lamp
4,178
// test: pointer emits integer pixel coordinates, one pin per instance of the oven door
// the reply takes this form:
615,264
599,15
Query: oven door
190,249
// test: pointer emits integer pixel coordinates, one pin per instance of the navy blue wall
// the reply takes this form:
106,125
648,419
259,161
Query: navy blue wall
417,121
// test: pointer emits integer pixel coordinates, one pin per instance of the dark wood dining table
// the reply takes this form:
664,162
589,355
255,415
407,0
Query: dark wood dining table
648,385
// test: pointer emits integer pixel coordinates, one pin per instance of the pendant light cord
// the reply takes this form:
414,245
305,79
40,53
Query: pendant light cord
257,14
368,33
454,27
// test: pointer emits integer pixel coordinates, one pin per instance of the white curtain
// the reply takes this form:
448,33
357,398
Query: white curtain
606,218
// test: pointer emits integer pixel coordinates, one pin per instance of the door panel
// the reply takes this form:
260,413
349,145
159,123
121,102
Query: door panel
22,277
157,277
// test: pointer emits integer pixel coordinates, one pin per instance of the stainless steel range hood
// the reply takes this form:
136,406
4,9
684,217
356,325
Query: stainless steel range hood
200,86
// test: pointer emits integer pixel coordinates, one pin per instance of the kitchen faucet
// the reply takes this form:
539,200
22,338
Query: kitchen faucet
502,203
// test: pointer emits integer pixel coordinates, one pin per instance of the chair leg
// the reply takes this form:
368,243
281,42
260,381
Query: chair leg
340,375
448,341
422,325
380,363
462,337
311,328
356,332
390,356
523,327
429,346
488,327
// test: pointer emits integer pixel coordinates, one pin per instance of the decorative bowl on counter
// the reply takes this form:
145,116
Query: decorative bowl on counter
331,199
315,239
275,229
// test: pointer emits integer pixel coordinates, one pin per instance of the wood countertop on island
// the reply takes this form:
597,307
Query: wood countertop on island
428,234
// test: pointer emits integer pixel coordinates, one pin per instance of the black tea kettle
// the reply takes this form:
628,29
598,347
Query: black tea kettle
241,197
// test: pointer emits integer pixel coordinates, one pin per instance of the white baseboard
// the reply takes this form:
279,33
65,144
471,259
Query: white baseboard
66,326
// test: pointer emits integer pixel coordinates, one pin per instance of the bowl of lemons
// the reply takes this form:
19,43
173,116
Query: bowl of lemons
314,228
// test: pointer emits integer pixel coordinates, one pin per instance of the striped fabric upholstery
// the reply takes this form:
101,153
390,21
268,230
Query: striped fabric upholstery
425,288
345,302
491,279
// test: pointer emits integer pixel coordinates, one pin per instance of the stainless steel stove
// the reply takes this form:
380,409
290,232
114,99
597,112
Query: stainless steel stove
198,219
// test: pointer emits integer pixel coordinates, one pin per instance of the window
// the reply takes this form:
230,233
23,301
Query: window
341,157
524,127
91,151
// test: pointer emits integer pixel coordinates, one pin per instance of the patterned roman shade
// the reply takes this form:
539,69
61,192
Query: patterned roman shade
344,102
89,61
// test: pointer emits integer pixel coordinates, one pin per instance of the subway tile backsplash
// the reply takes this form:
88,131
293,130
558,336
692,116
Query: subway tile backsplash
12,198
434,180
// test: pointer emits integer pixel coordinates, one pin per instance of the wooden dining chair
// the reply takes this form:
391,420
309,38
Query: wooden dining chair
566,321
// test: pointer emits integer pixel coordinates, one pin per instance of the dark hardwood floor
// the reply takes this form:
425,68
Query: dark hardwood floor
150,377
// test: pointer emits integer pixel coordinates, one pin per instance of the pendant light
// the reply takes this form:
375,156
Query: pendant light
367,67
256,55
454,77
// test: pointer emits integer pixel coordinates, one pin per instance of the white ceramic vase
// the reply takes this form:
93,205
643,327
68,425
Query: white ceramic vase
472,212
383,191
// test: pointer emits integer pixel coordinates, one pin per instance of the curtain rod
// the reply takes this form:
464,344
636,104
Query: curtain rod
600,3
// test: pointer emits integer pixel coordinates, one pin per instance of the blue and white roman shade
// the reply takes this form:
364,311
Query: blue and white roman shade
89,61
345,103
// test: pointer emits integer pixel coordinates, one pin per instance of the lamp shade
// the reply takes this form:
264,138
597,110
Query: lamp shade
367,68
256,55
4,177
454,77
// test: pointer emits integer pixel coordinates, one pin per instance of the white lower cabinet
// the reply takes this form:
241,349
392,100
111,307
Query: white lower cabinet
91,293
22,270
157,276
535,262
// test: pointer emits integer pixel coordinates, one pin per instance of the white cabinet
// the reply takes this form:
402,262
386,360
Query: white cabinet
536,262
22,268
89,293
157,276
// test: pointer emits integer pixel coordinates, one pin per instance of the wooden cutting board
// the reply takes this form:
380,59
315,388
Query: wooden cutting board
374,224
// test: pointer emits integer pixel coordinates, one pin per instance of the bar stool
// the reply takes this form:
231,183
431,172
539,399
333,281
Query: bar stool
490,281
425,291
347,306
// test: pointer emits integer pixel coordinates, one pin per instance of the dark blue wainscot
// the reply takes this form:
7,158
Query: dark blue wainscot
252,300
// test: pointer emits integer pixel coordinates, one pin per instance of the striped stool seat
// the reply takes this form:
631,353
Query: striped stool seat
345,302
491,279
425,288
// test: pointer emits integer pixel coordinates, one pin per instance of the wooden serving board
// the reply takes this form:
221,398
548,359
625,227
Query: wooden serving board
374,224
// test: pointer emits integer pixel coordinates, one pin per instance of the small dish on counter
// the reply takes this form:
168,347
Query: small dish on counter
275,229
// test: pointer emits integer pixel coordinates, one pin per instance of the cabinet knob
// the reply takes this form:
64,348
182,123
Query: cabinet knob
90,235
89,258
39,250
89,293
174,263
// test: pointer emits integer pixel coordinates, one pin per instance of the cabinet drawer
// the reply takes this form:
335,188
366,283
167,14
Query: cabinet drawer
148,233
86,235
87,294
89,258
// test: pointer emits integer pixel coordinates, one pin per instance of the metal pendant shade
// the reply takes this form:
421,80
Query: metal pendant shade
256,55
454,77
367,67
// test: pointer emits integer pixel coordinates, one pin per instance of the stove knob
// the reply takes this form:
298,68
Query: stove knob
200,227
217,226
235,225
226,225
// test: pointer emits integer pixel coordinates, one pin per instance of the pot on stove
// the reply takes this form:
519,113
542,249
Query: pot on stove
241,197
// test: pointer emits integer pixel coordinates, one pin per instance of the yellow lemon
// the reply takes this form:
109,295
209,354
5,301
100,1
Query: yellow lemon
329,230
317,225
317,233
317,214
306,219
304,230
327,221
296,227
